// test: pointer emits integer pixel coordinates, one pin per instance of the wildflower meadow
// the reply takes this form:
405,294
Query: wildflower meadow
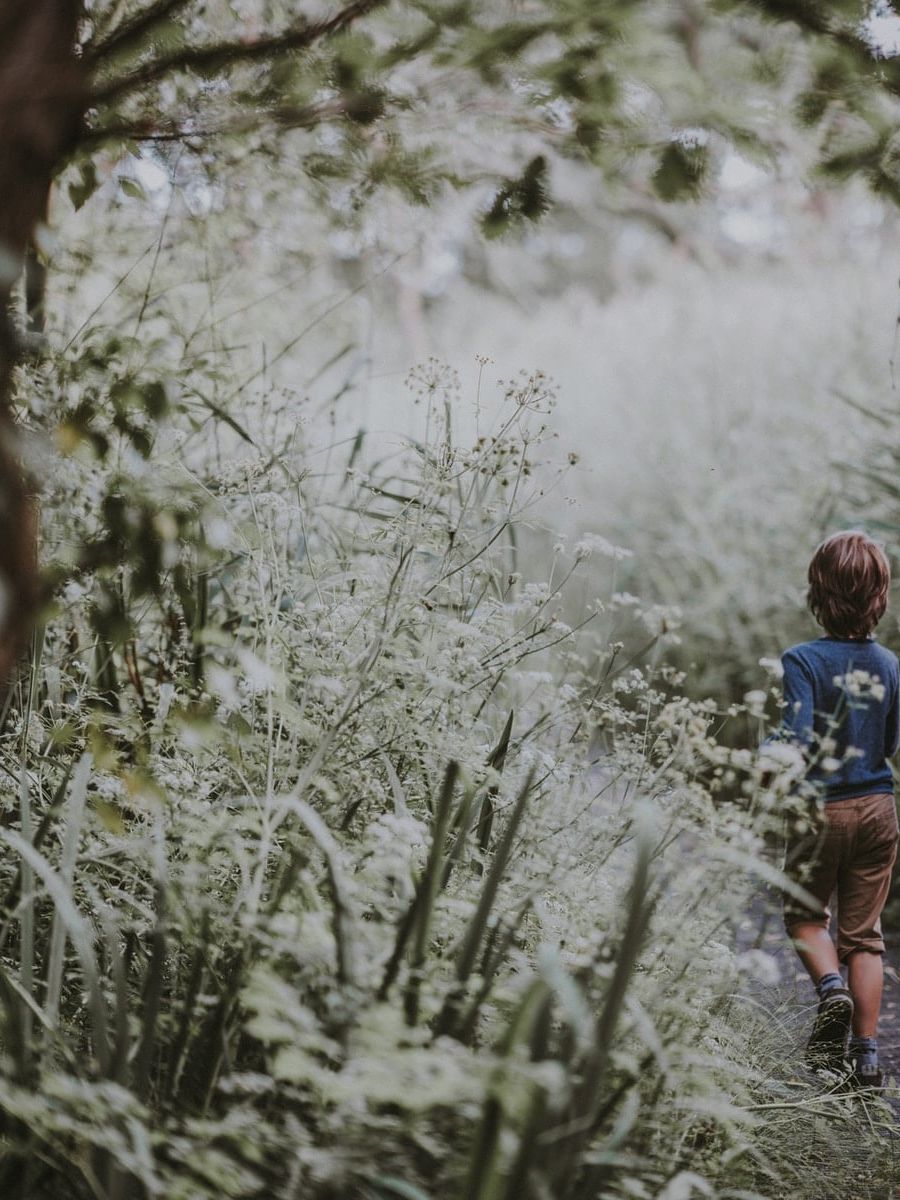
416,419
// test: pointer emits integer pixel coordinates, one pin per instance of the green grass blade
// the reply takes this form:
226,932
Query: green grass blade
74,812
475,930
152,995
465,1024
26,918
448,1021
387,1185
588,1101
496,761
429,890
11,999
484,1179
401,808
79,932
188,1004
321,835
461,825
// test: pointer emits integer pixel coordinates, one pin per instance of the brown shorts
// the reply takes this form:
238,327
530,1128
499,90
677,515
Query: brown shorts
849,853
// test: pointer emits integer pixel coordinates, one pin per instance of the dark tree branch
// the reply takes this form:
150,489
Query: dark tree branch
132,30
227,54
282,116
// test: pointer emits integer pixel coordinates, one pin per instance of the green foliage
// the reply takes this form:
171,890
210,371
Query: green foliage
81,190
682,168
518,200
420,96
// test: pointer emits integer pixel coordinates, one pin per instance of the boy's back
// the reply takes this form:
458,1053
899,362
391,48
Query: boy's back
841,697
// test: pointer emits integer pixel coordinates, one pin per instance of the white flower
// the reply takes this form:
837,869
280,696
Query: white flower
593,543
661,619
780,755
860,684
773,667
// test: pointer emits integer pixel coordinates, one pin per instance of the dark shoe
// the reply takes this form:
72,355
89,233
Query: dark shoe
864,1069
827,1045
869,1077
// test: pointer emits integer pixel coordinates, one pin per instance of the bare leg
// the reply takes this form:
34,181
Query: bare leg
817,951
865,978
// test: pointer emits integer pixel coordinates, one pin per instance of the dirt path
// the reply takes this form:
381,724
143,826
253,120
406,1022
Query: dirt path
792,1003
794,996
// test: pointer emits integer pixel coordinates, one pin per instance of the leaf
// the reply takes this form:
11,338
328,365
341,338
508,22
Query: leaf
79,932
496,762
80,191
428,890
486,1156
110,817
526,198
681,170
156,402
132,188
74,814
401,809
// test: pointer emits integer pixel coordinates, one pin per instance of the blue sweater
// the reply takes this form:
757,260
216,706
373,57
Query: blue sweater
824,699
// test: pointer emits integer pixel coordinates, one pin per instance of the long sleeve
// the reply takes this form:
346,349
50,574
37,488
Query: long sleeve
798,718
892,722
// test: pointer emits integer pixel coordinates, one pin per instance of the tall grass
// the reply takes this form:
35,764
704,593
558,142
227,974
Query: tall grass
364,882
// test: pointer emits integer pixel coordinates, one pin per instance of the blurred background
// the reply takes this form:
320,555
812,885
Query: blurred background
724,366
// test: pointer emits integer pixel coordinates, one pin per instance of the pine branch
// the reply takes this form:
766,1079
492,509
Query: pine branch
284,117
227,54
816,21
133,29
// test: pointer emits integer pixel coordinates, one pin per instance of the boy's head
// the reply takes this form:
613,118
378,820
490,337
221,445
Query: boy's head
849,576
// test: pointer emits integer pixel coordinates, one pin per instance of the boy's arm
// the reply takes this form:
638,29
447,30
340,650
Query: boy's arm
892,721
786,748
797,721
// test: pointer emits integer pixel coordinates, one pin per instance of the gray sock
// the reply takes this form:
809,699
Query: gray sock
864,1052
828,983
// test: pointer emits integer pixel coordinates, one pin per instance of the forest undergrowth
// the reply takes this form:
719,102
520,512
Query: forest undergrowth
338,865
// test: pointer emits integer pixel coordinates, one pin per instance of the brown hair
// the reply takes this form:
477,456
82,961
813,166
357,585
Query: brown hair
849,577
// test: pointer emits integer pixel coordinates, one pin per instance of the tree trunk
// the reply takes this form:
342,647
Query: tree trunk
42,99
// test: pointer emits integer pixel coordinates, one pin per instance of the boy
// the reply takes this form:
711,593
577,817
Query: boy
842,709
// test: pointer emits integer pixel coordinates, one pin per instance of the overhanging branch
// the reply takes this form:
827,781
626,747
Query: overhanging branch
132,30
283,116
226,54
